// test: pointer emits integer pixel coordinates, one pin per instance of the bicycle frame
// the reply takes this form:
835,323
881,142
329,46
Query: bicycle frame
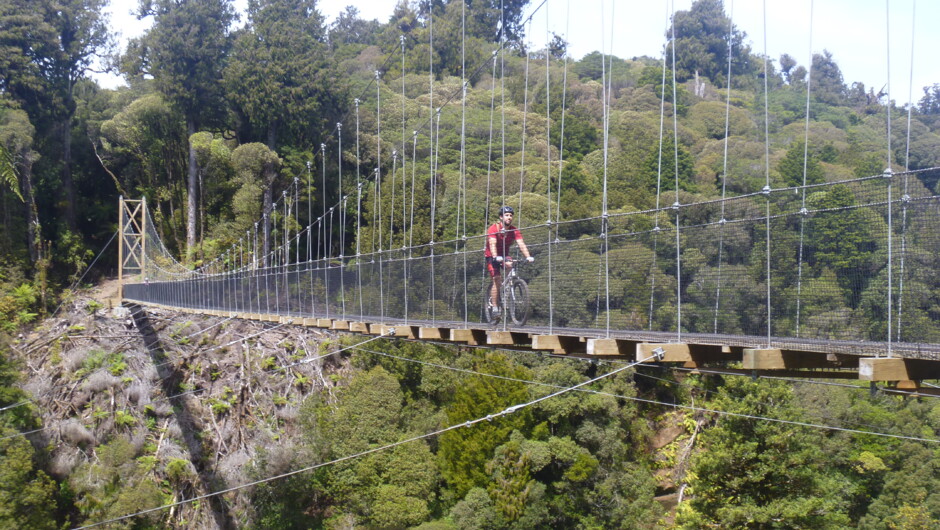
512,296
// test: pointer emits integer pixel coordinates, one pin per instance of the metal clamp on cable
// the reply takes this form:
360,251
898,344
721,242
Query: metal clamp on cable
659,353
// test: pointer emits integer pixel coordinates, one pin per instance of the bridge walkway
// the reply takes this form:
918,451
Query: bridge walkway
905,369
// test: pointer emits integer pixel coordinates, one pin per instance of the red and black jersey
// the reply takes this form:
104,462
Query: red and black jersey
504,237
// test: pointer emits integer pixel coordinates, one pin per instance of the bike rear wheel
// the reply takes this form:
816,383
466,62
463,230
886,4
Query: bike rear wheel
517,302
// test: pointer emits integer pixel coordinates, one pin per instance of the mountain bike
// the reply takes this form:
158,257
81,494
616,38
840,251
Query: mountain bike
512,298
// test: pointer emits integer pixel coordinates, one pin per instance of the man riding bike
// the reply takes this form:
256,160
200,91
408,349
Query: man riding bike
499,237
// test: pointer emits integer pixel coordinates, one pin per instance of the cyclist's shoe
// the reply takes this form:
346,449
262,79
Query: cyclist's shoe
493,311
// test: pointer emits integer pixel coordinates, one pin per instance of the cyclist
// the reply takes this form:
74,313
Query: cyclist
499,237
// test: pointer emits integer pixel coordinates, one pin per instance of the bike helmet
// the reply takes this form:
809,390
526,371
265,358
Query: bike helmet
506,209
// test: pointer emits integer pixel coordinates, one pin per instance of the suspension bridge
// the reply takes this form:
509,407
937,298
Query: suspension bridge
816,279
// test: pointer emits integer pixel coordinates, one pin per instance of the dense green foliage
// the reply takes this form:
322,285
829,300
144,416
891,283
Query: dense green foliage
540,466
28,496
593,459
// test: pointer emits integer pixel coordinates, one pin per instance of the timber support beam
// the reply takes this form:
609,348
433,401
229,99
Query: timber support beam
508,338
777,359
606,347
896,369
691,355
473,337
560,344
434,333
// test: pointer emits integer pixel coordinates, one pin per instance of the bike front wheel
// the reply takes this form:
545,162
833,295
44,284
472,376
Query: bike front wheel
518,302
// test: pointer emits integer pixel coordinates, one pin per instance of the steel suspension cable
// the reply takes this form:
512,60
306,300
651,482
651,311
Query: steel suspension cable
435,160
432,176
605,105
799,267
502,108
391,209
463,160
88,268
310,232
548,193
403,150
489,166
327,237
564,108
675,205
407,267
342,219
286,251
724,164
489,151
659,176
907,159
767,170
404,178
889,174
358,221
525,115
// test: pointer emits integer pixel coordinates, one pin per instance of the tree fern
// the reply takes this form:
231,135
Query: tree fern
8,172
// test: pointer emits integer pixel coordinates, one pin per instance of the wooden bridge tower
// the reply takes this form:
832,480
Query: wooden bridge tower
132,245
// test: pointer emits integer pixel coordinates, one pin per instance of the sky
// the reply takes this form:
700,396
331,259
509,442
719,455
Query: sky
856,32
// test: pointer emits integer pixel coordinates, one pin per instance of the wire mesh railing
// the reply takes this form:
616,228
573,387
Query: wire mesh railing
838,242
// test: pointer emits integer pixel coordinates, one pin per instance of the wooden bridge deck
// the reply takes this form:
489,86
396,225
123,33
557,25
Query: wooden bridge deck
905,366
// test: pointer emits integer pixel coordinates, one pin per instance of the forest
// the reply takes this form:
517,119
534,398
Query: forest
225,113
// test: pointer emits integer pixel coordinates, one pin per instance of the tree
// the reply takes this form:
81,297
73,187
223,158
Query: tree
27,495
145,144
463,453
184,51
660,167
791,167
348,29
826,79
840,238
492,20
16,171
214,159
787,63
279,78
256,166
929,105
81,28
701,40
754,473
558,47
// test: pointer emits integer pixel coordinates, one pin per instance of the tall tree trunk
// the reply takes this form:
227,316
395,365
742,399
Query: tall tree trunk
193,182
68,187
33,235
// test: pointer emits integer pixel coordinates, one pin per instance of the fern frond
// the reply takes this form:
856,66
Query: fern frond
8,172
